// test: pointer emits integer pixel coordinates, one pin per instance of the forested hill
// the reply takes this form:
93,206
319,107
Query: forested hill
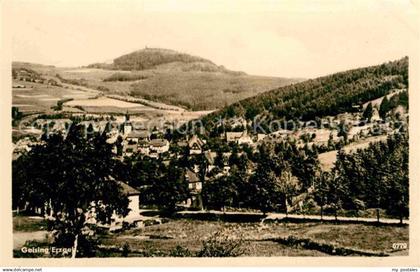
152,58
324,96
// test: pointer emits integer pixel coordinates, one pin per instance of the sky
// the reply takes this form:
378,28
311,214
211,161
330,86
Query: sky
295,38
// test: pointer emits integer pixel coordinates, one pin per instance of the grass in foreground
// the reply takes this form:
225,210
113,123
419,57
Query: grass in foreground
186,236
191,234
28,224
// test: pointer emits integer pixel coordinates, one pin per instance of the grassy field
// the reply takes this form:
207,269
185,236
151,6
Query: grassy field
258,239
41,97
28,224
328,159
196,90
203,91
253,239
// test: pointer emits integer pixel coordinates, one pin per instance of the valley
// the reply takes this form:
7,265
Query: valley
274,167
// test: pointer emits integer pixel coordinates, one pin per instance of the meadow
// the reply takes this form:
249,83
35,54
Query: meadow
252,238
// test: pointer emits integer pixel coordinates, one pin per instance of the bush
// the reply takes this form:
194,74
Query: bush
180,251
222,244
125,250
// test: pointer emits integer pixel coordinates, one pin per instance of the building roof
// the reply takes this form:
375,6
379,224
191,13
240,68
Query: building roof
143,143
191,176
127,189
195,140
234,136
210,156
158,142
138,134
182,143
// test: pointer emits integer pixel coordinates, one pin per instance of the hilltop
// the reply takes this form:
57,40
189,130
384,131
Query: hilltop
145,59
161,59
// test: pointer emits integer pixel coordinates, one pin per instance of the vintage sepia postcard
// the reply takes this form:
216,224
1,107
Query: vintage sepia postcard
209,132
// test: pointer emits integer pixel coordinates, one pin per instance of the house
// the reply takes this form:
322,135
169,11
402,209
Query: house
117,221
196,145
211,158
138,136
238,137
159,146
194,183
133,196
282,133
245,139
236,122
143,135
112,135
25,145
195,186
130,148
138,141
143,147
233,136
182,143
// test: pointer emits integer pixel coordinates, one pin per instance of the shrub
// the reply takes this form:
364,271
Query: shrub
222,244
180,251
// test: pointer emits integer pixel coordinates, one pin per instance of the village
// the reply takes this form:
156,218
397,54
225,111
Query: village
173,165
130,137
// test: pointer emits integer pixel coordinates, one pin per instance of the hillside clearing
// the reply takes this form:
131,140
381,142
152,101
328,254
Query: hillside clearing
328,159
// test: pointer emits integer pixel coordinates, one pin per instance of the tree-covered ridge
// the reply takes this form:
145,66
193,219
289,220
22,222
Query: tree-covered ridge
151,57
324,96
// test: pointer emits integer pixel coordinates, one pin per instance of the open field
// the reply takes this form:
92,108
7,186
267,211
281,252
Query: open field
196,90
104,102
256,239
199,90
260,240
377,102
328,159
41,97
156,112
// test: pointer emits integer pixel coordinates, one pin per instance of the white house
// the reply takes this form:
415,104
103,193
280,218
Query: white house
117,221
196,145
133,196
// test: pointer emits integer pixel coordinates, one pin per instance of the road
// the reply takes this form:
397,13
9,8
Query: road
279,216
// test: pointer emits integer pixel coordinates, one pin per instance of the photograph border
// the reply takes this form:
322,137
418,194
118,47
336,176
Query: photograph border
6,241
